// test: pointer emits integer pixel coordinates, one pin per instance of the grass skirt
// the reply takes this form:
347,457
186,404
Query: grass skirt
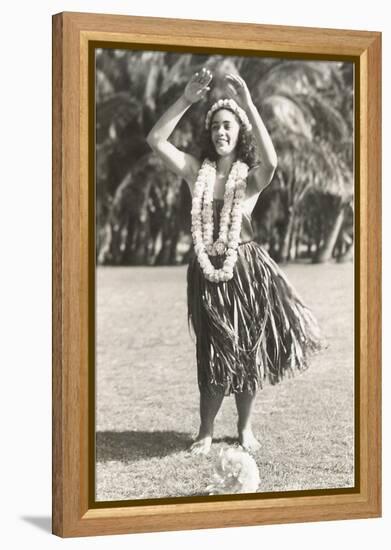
252,328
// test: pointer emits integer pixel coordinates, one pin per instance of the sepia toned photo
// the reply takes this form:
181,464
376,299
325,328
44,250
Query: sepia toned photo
225,275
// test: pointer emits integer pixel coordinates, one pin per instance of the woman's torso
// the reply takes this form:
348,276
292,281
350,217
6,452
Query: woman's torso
246,231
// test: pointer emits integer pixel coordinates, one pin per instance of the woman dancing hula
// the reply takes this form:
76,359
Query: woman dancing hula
250,324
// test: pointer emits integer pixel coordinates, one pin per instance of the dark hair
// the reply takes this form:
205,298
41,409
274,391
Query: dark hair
245,147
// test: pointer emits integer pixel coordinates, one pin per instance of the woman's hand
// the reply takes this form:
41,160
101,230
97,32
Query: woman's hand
237,90
197,87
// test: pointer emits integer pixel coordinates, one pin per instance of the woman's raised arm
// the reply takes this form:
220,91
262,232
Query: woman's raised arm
183,164
260,175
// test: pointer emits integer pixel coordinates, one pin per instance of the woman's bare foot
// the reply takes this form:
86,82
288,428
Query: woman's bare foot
201,445
248,441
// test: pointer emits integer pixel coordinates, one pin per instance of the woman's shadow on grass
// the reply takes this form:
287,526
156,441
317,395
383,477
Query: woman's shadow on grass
132,446
141,445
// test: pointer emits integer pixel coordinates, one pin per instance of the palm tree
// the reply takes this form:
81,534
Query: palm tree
307,111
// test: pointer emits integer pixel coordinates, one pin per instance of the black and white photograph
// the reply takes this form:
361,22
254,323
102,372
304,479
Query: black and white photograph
225,274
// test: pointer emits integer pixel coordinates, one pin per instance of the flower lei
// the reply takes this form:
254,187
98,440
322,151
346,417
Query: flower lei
230,219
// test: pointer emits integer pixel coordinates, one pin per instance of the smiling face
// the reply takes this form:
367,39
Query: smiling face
224,131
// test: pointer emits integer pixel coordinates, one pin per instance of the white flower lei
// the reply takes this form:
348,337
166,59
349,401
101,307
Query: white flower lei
230,219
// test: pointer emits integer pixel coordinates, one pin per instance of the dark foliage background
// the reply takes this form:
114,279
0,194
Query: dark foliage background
143,209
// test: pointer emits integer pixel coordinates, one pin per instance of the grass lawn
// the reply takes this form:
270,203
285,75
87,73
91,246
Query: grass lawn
147,395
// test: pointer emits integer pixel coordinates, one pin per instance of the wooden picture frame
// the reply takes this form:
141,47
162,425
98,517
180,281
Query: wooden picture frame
73,34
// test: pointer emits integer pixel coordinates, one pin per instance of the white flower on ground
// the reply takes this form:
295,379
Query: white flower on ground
235,472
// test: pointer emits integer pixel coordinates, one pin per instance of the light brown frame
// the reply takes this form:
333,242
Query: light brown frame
71,324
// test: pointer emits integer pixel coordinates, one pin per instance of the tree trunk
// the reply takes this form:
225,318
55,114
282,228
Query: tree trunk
285,249
140,250
170,234
299,238
294,248
347,256
326,252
